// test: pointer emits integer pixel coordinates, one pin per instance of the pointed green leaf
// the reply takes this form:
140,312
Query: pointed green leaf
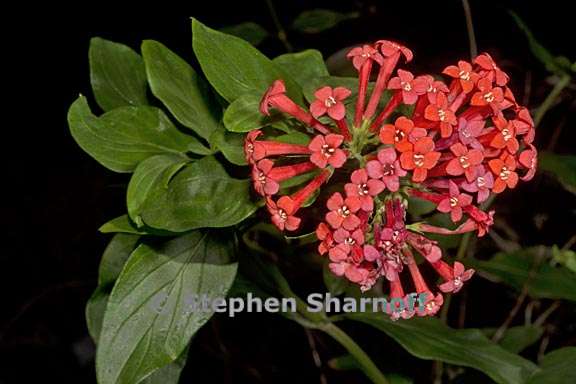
117,75
121,224
563,167
557,367
150,316
303,66
123,137
234,67
152,174
428,338
231,145
201,195
243,114
546,281
179,87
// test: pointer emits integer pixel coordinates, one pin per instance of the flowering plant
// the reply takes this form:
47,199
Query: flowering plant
335,162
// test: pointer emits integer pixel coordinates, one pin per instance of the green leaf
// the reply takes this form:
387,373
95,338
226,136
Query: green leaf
243,114
201,195
152,174
179,87
115,256
169,374
428,338
234,67
516,339
552,63
546,281
121,224
231,145
566,257
563,167
557,367
117,75
113,260
319,20
303,66
123,137
249,31
150,318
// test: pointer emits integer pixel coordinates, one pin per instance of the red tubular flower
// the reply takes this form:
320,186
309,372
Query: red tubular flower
255,150
409,87
420,159
362,58
433,88
281,214
342,212
387,168
503,169
482,183
330,101
464,74
505,136
402,134
391,51
433,303
454,202
276,97
454,277
324,234
325,151
364,189
488,95
491,70
266,178
529,159
441,113
464,161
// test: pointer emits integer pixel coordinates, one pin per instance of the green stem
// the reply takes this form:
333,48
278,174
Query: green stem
281,32
551,98
368,367
470,28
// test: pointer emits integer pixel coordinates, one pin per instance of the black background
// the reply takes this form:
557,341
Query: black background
56,196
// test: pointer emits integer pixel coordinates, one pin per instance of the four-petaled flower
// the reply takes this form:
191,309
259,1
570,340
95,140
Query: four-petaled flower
330,101
464,161
505,136
454,202
402,134
364,188
464,73
360,55
411,88
456,278
343,212
441,113
487,95
326,151
281,213
482,183
387,168
420,159
503,169
487,64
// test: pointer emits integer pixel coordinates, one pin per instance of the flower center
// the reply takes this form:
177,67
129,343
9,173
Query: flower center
504,173
480,181
464,75
388,169
262,178
327,150
282,214
431,89
442,114
330,101
406,86
362,189
453,201
457,281
506,134
399,136
464,162
250,147
489,97
418,160
344,211
349,241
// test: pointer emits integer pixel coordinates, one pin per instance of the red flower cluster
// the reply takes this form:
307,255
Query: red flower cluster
461,142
